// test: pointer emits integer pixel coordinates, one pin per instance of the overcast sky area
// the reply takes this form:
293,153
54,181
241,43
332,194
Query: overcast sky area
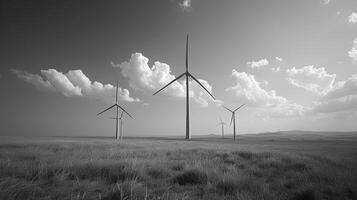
293,63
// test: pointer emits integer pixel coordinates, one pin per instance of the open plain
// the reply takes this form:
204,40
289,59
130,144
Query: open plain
283,165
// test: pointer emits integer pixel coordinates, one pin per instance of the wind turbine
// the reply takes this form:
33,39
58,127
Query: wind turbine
233,119
117,113
222,125
121,129
187,74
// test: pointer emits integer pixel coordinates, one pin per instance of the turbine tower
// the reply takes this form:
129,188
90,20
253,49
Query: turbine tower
187,74
117,106
222,125
233,119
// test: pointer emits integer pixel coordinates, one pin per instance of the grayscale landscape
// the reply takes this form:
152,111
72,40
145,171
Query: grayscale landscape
178,100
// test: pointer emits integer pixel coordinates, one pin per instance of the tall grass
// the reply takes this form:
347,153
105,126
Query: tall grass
110,170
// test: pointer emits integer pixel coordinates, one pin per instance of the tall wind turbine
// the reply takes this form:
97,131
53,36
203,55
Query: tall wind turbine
233,119
117,106
222,125
187,74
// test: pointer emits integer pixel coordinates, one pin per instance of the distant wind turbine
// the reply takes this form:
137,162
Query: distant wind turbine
233,119
187,74
117,113
222,125
121,129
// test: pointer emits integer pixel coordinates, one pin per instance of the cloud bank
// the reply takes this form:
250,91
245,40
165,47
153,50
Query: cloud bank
312,79
342,97
74,83
249,91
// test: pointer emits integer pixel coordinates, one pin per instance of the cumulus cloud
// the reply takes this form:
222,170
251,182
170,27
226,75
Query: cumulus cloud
353,52
248,90
258,64
61,83
142,77
352,18
34,79
312,79
185,5
325,2
278,59
74,83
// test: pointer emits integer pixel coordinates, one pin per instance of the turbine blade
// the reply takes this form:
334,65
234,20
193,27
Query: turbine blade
116,93
201,85
124,111
187,53
231,119
170,83
239,107
227,109
106,109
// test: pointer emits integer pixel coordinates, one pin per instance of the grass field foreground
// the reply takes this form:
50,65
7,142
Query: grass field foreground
57,168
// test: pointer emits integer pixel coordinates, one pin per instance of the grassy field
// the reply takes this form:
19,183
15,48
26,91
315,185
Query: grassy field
292,166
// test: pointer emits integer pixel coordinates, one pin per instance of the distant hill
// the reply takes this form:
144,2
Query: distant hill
305,135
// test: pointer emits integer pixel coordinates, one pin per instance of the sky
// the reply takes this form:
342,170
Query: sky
293,63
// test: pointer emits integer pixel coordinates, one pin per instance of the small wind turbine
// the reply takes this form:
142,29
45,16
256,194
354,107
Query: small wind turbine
188,75
117,113
222,125
233,119
121,129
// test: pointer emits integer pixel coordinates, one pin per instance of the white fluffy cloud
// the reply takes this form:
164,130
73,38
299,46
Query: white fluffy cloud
248,90
352,18
61,83
185,4
34,79
312,79
142,77
353,52
74,83
278,59
325,2
258,64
